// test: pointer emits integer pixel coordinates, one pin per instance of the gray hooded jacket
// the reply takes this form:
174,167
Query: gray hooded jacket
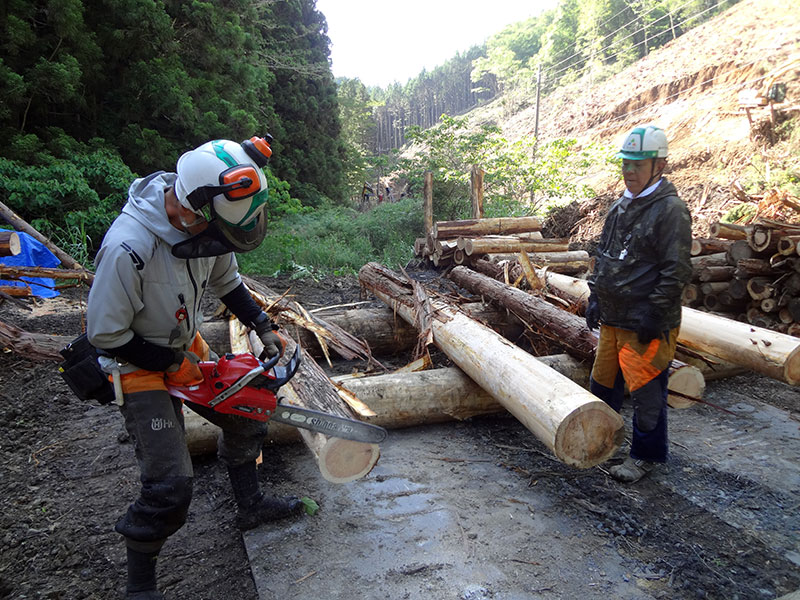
140,287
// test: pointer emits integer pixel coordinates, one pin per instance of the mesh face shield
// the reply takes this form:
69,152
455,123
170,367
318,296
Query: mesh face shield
221,238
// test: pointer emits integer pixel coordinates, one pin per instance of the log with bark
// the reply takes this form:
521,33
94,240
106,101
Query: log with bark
580,429
728,231
443,230
9,243
701,246
490,245
21,225
568,329
34,346
770,353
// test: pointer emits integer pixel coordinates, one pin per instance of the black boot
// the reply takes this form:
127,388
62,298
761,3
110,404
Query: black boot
142,576
254,508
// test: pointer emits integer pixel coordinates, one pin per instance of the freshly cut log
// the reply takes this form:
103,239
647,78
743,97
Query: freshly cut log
399,400
9,243
715,273
710,260
339,460
728,231
564,327
490,246
443,230
459,257
580,429
767,352
531,236
702,246
440,395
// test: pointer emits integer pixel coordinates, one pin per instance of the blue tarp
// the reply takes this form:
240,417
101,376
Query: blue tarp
32,254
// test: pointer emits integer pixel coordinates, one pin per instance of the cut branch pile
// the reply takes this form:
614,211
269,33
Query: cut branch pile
750,273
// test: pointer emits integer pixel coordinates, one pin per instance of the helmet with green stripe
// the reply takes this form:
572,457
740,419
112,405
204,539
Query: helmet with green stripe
224,181
642,142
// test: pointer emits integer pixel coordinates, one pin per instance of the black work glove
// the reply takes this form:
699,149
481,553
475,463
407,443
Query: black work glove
650,326
592,312
267,332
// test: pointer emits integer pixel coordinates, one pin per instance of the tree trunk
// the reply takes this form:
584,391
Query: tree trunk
490,245
767,352
339,460
701,246
444,230
715,273
580,429
565,328
728,231
709,260
21,225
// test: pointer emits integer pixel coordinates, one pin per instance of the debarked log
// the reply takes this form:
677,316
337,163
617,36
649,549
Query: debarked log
579,428
443,230
686,383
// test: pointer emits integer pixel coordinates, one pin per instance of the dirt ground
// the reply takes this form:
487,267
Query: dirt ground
468,510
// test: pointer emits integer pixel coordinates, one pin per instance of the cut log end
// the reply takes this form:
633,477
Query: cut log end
591,435
792,368
688,382
343,461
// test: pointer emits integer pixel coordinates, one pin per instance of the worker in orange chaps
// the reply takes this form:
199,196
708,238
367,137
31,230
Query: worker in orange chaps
636,285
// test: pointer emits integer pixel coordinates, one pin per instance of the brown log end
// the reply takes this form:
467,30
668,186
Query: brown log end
791,368
590,435
342,461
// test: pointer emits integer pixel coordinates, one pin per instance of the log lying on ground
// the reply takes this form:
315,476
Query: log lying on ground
702,246
400,400
34,346
339,460
570,263
686,383
728,231
770,353
580,429
443,230
386,333
493,245
14,272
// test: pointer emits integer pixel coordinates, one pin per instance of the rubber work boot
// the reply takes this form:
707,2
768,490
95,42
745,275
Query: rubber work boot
631,471
142,576
254,508
149,595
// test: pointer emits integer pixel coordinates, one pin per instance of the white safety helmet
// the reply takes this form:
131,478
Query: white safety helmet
224,181
642,142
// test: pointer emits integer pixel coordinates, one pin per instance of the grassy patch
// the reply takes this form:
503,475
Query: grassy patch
336,240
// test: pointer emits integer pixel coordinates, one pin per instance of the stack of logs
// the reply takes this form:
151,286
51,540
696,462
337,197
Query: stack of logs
498,241
750,273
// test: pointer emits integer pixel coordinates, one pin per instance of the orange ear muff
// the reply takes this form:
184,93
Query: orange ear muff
258,149
240,182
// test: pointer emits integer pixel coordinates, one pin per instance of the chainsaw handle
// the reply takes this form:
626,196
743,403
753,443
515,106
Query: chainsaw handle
285,372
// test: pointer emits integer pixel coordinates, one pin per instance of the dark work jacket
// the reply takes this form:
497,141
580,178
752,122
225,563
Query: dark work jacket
643,260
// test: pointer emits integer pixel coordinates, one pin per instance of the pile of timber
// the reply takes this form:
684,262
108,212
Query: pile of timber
497,240
750,273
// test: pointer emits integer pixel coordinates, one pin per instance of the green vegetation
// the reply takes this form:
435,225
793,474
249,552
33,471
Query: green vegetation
337,240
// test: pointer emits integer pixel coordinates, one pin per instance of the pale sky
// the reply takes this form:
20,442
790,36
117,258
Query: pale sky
382,41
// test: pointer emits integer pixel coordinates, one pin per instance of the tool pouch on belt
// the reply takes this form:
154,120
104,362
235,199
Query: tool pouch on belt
82,372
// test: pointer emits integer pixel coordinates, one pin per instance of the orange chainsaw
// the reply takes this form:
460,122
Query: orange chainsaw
243,385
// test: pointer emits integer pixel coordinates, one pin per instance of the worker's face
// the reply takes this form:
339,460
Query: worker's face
182,218
636,174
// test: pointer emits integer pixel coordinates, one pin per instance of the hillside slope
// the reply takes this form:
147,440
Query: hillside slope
690,88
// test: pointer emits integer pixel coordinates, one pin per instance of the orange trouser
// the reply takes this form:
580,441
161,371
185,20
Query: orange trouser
621,360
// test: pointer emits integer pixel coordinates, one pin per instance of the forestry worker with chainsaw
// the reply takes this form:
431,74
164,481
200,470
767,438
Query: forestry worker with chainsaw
177,235
642,265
